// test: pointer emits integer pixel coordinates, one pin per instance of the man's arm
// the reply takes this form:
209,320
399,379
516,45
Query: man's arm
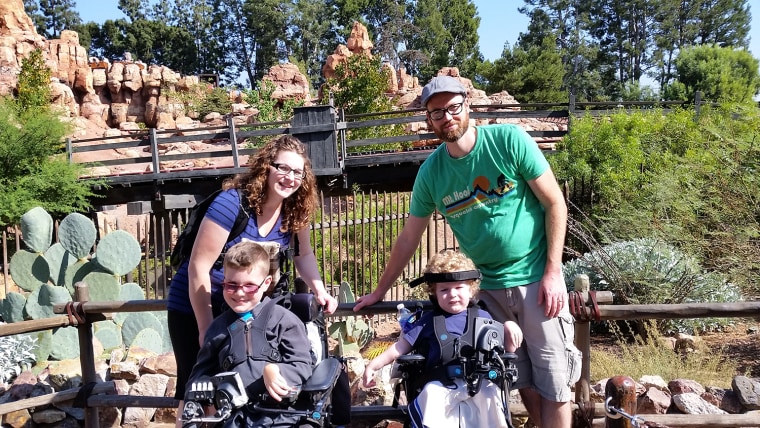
401,253
549,194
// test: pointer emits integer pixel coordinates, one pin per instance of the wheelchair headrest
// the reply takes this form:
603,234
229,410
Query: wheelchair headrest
446,277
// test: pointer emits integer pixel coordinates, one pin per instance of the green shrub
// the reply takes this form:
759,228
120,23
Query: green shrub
646,271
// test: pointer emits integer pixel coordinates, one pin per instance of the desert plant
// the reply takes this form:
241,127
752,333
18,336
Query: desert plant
47,274
647,270
648,355
16,355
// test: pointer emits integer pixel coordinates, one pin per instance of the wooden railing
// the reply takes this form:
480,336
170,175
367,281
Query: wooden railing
90,312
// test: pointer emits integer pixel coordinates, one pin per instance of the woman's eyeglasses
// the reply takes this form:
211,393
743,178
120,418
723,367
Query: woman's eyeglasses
440,113
248,287
283,169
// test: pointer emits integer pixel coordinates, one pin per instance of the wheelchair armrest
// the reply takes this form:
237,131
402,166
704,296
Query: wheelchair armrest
324,376
509,356
406,359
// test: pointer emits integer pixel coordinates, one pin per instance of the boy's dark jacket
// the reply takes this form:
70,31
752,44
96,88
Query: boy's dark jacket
231,344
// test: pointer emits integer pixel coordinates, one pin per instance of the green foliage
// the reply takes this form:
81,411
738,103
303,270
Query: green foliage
16,355
720,73
32,170
692,184
33,83
645,271
215,100
270,109
531,76
360,87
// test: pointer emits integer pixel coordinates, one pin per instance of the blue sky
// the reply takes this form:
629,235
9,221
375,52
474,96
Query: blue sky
500,22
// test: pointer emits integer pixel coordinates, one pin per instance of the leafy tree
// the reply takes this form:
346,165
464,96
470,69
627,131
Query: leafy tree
32,170
448,34
359,87
50,17
530,76
721,74
312,37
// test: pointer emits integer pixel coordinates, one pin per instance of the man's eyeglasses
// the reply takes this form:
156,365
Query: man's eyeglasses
283,169
440,113
248,287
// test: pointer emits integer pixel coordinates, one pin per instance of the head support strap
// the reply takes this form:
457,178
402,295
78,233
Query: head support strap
431,278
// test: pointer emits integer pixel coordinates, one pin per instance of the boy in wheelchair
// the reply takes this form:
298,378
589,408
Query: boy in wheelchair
256,357
464,361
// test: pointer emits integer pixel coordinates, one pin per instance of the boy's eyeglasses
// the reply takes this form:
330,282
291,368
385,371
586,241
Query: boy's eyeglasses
440,113
283,169
248,287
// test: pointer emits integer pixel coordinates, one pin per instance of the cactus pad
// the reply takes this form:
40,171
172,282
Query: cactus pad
118,252
37,229
77,272
102,286
110,338
40,302
12,307
131,291
136,322
29,270
77,234
65,344
44,341
149,339
58,261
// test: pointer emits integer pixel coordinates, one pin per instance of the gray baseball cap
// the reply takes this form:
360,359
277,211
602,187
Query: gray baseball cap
441,84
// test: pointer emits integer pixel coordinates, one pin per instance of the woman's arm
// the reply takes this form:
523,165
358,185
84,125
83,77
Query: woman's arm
208,245
306,265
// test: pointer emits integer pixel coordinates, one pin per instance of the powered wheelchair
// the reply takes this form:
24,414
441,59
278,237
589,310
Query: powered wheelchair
473,359
311,406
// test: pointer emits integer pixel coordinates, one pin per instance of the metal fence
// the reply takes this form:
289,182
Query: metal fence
351,235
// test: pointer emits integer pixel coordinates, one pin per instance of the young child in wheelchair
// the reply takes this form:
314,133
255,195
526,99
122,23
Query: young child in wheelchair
467,369
255,355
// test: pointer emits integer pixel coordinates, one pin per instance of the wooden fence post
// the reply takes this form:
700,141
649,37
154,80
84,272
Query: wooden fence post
583,343
620,392
697,104
86,356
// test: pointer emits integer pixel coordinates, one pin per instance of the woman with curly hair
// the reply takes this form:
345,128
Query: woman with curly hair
281,193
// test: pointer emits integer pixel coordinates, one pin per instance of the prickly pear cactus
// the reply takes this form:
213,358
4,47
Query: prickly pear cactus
29,270
352,333
136,322
58,261
65,344
77,234
118,252
108,333
40,302
37,229
12,307
148,339
102,286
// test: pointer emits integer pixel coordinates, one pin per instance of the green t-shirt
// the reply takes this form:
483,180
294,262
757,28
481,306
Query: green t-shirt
485,197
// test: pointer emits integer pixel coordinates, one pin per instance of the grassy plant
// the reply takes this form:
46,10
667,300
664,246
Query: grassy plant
650,356
376,348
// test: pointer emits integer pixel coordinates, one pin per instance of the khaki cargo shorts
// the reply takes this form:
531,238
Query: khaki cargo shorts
547,360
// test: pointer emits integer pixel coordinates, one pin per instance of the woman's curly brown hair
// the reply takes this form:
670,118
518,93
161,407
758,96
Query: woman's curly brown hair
298,208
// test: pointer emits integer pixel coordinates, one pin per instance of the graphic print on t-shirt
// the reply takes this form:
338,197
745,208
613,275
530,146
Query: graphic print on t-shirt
463,202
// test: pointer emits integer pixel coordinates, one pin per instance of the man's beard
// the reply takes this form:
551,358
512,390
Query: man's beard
452,136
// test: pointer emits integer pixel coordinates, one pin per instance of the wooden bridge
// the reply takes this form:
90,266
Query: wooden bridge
152,178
